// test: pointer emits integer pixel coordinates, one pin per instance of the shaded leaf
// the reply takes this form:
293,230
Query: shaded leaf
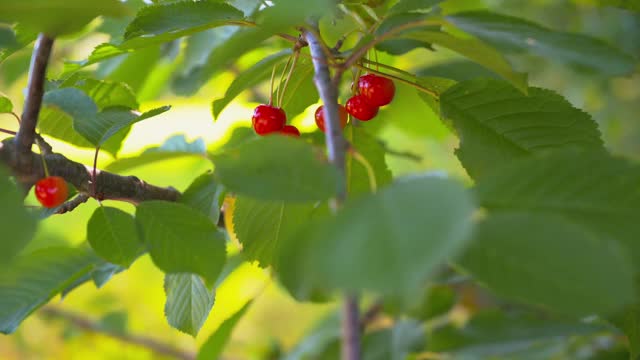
17,224
113,235
213,347
358,181
188,302
205,195
181,239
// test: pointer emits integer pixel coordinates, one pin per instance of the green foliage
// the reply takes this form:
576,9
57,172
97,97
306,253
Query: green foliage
15,221
113,235
213,347
499,124
181,239
276,168
5,105
188,302
358,181
205,195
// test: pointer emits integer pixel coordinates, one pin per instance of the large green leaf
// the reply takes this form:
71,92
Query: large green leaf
213,347
56,17
516,35
13,39
248,78
34,278
374,154
545,260
261,226
205,195
168,21
104,93
595,190
497,123
113,235
17,224
276,168
189,302
389,242
477,51
181,239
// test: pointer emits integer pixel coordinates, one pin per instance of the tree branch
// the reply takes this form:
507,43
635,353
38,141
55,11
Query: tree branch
109,186
35,90
94,327
337,147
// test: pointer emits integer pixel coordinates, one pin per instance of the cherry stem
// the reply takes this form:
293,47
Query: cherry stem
373,184
417,86
7,131
284,71
286,83
15,116
273,74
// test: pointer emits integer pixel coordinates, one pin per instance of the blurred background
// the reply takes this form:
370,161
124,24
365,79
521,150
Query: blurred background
133,301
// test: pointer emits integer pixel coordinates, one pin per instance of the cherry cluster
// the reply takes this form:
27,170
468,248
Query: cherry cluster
373,92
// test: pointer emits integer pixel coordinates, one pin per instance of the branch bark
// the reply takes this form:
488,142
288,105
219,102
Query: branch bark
35,89
337,147
109,186
94,327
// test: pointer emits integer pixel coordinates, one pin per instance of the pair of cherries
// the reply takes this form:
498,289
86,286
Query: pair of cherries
268,119
373,92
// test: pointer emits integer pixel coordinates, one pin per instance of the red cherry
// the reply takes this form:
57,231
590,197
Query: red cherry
319,115
267,119
360,108
290,130
378,90
51,191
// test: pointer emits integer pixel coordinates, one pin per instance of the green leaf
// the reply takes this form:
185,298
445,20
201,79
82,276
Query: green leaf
477,51
498,124
113,235
399,46
630,324
263,226
213,347
104,93
74,102
181,239
403,6
188,302
512,34
13,39
17,224
395,343
595,190
5,105
533,257
458,70
493,334
389,242
205,195
248,78
276,168
624,4
301,91
169,21
34,278
57,17
322,335
357,175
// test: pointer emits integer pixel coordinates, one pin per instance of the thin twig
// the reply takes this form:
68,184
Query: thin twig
72,204
89,325
44,146
371,314
35,90
7,131
398,153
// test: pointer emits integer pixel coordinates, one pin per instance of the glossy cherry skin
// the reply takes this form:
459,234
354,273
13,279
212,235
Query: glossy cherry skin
267,119
51,191
290,130
378,90
319,115
360,108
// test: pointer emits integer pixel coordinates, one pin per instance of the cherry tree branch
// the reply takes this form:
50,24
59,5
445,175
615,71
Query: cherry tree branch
94,327
109,186
337,147
35,89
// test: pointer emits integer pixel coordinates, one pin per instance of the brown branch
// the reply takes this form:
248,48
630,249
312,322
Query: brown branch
109,186
73,203
95,327
35,90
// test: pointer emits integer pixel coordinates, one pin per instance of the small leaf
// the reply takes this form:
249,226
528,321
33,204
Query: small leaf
57,17
188,302
403,6
498,124
389,242
213,347
181,239
517,35
532,257
113,236
477,51
276,168
205,195
17,224
158,23
34,278
248,78
263,226
5,105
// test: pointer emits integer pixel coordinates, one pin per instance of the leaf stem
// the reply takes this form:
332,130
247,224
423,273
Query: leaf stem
370,173
8,131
